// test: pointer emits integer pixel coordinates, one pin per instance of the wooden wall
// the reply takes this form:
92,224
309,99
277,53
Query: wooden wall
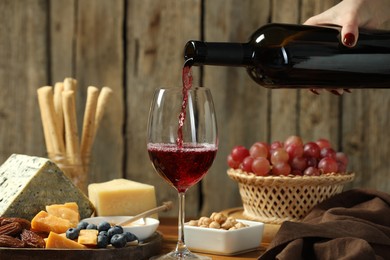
135,46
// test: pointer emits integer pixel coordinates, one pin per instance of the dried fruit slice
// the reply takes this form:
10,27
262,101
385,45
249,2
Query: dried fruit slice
8,241
32,239
11,229
23,222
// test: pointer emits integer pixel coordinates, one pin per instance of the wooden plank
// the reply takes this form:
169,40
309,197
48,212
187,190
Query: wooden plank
366,139
283,111
99,62
62,36
319,117
23,68
241,104
156,34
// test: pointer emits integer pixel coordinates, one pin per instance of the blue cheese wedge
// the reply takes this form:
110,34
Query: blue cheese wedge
28,184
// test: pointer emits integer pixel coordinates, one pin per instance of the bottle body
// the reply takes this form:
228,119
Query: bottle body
299,56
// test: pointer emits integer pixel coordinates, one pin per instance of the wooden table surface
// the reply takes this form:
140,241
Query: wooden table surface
169,230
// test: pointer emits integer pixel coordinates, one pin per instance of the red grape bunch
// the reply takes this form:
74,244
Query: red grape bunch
293,157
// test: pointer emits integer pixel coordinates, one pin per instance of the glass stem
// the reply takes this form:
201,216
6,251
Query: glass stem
181,246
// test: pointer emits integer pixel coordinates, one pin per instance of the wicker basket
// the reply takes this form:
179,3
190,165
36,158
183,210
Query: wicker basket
275,199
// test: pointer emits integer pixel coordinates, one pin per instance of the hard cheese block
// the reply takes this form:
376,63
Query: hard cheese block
121,197
28,184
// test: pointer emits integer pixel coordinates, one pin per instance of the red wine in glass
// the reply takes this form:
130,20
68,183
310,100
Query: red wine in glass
182,167
182,143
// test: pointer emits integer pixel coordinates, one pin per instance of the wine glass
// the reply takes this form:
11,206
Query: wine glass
182,144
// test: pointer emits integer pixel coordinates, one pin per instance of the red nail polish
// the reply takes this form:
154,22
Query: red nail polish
349,39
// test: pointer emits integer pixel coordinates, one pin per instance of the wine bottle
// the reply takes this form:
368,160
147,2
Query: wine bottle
302,56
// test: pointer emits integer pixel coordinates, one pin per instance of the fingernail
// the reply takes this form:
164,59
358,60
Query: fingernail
349,39
335,92
314,91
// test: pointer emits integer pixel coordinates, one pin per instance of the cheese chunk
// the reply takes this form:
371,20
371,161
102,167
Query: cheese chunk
29,183
60,241
44,222
121,197
88,237
69,211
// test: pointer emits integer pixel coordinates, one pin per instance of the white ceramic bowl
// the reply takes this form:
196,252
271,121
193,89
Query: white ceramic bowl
224,242
139,228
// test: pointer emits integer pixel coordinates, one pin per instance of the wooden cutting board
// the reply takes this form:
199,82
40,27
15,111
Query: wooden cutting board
144,250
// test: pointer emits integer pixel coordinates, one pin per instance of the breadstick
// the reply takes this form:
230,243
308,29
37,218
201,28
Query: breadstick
104,96
70,84
45,124
46,103
89,122
58,88
71,132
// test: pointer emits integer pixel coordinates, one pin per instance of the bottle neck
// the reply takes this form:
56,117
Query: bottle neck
218,53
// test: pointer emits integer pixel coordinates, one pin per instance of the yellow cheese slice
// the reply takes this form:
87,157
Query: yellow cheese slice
121,197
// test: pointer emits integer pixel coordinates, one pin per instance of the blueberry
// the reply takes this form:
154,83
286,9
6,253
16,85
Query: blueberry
115,230
118,240
102,241
103,233
82,225
130,236
103,226
72,233
91,226
120,228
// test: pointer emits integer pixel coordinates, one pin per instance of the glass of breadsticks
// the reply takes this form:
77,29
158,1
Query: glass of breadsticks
64,147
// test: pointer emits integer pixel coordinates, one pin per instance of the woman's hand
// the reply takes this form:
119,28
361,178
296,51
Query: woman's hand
352,15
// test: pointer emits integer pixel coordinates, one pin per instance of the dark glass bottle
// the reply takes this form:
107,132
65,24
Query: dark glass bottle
301,56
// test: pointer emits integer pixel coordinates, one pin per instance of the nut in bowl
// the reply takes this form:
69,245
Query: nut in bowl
219,238
140,228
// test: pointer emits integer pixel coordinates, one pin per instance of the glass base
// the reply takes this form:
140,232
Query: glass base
187,254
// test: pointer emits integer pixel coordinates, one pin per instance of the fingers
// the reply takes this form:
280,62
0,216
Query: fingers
315,91
349,31
337,92
346,14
